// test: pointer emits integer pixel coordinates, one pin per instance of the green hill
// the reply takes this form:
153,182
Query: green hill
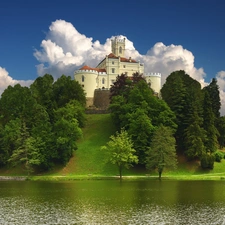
88,160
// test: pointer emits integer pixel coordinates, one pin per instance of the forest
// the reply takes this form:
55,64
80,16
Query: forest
183,111
40,124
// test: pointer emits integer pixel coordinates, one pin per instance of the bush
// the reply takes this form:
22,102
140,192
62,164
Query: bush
207,161
218,156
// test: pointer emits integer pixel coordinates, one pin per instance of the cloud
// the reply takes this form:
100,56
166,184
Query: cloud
6,80
65,50
221,83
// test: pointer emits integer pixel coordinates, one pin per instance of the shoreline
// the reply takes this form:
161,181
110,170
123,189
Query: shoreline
99,177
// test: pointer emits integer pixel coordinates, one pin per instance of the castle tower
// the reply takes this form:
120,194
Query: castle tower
118,47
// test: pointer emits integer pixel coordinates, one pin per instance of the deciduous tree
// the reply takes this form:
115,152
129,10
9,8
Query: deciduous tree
120,151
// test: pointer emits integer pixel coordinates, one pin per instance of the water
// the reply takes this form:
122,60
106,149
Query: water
112,202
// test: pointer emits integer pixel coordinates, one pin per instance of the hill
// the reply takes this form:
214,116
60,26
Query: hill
88,160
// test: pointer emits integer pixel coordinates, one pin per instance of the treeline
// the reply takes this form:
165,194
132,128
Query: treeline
39,125
201,129
192,114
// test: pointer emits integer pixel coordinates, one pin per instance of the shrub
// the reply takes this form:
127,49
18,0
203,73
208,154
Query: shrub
207,161
218,156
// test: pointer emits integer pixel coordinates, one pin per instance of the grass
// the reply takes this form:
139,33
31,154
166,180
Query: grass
88,160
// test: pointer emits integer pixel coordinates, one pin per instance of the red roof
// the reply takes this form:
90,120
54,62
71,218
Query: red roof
122,59
90,68
111,55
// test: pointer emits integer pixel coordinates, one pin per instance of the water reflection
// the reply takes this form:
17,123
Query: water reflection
112,202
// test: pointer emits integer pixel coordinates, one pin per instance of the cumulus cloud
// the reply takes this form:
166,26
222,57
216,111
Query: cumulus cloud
221,83
6,80
65,50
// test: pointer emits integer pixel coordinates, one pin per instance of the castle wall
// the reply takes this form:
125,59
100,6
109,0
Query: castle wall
101,98
88,80
155,80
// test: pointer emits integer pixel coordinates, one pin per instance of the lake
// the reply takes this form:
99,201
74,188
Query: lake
112,202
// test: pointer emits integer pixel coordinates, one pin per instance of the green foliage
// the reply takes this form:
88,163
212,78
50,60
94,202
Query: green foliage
213,90
120,151
221,130
66,89
195,136
28,153
135,108
211,143
139,121
207,161
183,95
218,155
39,126
162,151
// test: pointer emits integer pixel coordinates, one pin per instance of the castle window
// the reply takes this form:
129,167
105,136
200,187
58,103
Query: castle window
113,62
120,50
113,70
124,66
103,80
82,78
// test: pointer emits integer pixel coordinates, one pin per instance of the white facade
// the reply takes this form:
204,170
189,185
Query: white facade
114,64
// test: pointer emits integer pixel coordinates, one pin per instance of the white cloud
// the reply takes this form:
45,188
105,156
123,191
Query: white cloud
221,82
6,80
65,50
166,59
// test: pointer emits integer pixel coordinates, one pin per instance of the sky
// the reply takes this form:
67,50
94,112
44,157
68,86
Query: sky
59,37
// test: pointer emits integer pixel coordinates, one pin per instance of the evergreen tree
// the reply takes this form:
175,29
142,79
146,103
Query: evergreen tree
214,95
182,93
162,151
211,143
221,130
195,137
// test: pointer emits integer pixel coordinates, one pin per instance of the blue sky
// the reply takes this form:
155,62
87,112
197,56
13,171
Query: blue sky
191,34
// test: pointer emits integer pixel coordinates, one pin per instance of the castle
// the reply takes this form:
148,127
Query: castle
105,73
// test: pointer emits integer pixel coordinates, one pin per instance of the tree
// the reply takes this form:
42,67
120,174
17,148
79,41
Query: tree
66,132
181,92
140,130
214,94
66,89
120,151
135,108
162,151
195,137
120,86
17,102
221,130
28,153
211,143
42,91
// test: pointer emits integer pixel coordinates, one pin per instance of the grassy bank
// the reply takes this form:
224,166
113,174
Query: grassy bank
88,160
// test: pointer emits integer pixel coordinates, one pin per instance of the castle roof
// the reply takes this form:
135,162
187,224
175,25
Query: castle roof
85,67
122,59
